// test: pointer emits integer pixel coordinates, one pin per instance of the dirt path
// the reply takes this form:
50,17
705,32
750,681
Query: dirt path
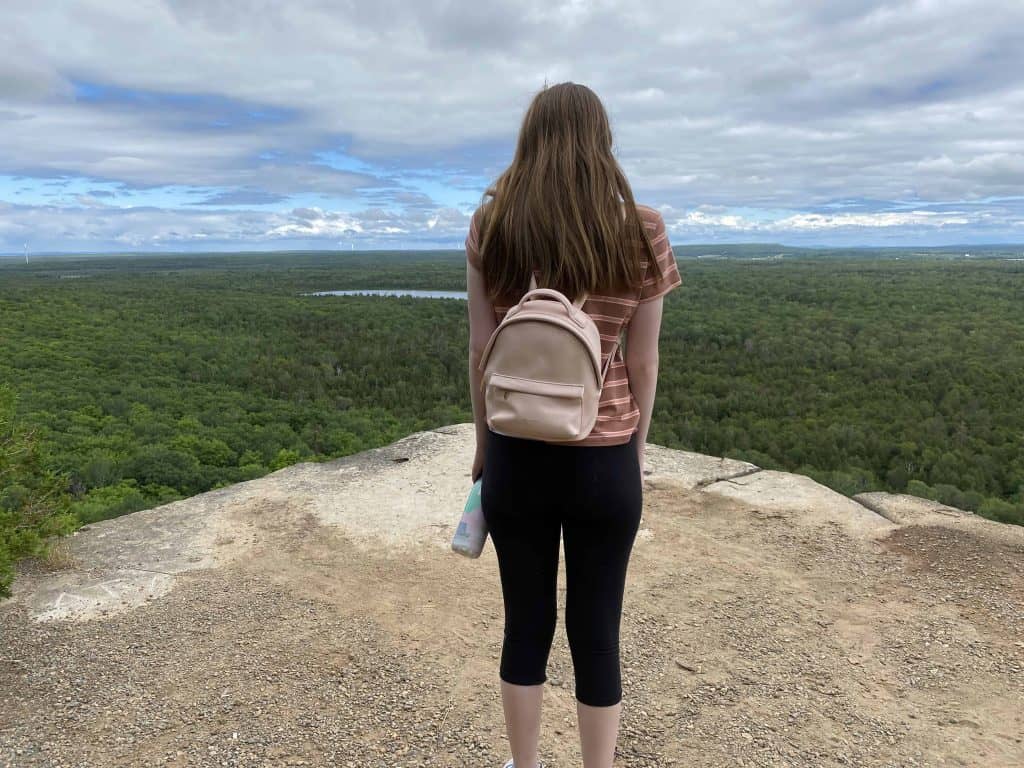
746,641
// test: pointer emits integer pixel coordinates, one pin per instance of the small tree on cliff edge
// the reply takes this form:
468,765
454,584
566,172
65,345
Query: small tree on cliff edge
34,501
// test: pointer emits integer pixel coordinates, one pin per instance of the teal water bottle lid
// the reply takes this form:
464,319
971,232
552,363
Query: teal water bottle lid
473,500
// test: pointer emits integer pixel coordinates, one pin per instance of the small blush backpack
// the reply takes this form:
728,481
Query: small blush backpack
542,373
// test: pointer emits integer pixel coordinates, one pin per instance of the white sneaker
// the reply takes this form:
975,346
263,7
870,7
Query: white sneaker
510,764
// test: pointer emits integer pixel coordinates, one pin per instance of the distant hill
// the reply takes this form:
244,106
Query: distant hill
763,250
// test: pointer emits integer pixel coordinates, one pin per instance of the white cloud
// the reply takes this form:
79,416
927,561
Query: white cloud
815,221
685,224
93,226
772,106
316,223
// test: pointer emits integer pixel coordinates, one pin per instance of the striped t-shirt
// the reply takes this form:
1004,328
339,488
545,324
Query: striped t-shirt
618,414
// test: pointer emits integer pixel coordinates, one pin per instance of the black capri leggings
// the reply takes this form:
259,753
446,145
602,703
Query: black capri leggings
592,495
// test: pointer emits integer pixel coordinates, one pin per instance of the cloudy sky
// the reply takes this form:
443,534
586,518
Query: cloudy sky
230,124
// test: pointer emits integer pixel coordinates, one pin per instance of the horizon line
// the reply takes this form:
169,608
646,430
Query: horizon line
966,246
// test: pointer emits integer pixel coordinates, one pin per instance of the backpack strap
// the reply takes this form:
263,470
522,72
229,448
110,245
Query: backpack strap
615,347
608,362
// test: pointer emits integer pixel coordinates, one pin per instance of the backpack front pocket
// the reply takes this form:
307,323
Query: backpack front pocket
533,408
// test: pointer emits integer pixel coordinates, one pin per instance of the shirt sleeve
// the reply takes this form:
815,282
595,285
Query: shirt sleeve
655,286
472,240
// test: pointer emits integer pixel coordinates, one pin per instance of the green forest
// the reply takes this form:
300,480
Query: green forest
129,381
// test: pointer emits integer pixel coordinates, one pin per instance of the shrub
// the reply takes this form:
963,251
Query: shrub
34,501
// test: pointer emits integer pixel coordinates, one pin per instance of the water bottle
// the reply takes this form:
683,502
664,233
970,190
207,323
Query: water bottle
471,532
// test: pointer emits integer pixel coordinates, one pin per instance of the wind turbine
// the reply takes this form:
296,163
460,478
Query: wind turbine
26,253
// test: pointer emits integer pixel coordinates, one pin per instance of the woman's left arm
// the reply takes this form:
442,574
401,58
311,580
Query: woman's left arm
481,326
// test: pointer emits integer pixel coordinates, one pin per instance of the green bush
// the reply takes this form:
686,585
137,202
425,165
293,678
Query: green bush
109,501
34,503
1002,511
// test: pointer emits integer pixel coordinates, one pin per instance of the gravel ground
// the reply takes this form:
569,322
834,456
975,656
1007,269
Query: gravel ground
746,641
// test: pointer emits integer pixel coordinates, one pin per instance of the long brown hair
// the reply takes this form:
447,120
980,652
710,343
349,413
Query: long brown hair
558,207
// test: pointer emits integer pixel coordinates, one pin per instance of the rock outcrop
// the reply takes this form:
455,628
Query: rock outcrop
317,616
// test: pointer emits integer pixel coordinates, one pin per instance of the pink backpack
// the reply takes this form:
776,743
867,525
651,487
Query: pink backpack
542,368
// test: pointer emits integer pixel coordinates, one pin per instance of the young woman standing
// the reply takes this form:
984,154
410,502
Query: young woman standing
564,210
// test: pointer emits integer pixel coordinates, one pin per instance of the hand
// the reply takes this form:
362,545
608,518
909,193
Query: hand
478,465
640,460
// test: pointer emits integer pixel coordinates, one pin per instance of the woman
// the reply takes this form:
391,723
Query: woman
565,210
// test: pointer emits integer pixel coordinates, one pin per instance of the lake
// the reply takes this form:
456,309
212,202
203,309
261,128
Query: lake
393,292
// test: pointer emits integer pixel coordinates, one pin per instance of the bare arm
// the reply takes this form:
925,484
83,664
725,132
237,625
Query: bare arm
481,326
641,358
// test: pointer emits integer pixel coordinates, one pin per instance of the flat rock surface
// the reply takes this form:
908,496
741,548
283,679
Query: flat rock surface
903,508
126,561
802,499
317,617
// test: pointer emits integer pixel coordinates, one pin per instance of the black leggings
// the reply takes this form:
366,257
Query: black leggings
592,494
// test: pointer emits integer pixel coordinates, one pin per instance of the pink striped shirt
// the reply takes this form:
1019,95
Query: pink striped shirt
618,414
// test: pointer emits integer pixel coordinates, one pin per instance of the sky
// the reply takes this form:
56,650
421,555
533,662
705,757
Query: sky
181,125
